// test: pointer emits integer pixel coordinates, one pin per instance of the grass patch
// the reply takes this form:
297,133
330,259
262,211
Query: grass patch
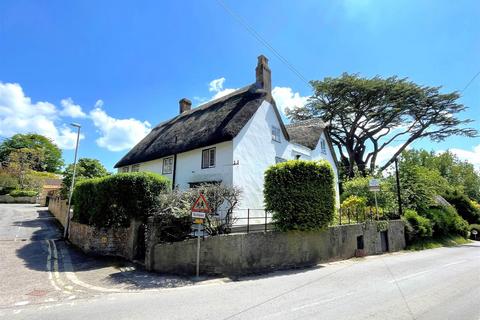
437,242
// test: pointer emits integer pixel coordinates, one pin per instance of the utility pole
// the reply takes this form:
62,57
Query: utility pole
67,222
400,211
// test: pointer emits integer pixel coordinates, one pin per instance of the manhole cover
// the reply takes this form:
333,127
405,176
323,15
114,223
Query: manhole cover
37,293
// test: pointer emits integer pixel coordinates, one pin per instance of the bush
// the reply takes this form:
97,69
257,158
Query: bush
300,194
358,186
417,227
113,201
446,221
23,193
464,206
353,207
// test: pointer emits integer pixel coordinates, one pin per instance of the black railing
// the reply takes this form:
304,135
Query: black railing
351,216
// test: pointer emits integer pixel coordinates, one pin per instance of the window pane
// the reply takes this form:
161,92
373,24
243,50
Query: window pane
204,158
212,157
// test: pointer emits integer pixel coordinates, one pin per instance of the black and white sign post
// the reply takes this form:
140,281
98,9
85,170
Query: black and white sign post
474,233
199,212
374,186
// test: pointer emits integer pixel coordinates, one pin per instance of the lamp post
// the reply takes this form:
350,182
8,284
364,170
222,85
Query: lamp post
67,222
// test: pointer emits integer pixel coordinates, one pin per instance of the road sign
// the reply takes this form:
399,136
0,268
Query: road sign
197,221
198,215
374,185
201,205
474,232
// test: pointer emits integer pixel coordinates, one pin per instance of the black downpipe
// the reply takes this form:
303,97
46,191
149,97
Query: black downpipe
174,170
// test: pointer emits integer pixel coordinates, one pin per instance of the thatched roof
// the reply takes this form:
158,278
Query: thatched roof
306,133
214,122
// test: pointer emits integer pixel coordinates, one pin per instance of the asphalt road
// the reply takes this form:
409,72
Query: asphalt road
432,284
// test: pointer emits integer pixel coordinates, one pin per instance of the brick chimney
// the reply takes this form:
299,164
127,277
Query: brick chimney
185,105
263,75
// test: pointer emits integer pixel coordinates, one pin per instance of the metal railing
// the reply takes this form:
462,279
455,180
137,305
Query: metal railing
348,216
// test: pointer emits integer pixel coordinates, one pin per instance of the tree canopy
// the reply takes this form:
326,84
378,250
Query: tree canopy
86,168
48,157
365,116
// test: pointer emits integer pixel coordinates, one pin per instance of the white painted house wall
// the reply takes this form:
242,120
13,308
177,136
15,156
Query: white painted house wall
253,150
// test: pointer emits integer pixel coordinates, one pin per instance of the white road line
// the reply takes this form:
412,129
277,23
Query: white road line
454,263
413,275
320,302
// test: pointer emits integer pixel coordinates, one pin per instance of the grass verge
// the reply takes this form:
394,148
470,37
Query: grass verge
432,243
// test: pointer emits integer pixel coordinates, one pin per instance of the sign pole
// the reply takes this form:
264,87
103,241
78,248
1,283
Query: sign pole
198,252
376,204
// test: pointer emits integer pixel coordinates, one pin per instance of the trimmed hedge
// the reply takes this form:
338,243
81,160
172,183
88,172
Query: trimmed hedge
112,201
23,193
300,194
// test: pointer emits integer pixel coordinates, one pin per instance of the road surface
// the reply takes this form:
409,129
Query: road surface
435,284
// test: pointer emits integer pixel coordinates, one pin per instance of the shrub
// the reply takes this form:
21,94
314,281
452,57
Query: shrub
464,206
113,201
417,227
352,207
358,186
23,193
446,221
300,194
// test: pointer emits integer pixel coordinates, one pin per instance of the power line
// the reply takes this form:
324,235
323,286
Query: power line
470,82
260,39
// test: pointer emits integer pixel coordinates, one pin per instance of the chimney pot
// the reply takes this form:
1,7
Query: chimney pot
185,105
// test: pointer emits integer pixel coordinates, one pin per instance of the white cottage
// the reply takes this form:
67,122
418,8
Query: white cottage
230,140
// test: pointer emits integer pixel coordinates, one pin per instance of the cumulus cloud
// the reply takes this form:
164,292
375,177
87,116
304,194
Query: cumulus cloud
216,86
117,134
286,98
18,114
72,110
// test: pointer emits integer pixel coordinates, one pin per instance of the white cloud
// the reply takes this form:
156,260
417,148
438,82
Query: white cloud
216,86
18,114
72,110
286,98
471,156
117,134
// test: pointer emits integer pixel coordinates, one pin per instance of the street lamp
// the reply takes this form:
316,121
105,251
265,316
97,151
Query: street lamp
67,222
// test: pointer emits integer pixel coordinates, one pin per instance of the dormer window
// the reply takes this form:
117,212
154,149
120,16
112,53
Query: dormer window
276,134
323,146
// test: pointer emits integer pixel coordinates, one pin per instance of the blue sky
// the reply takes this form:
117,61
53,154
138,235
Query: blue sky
120,67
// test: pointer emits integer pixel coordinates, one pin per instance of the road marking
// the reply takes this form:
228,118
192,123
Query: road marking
56,270
454,263
49,268
22,303
320,302
413,275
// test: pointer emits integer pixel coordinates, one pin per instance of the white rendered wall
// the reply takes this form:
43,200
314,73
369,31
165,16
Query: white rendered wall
189,166
317,155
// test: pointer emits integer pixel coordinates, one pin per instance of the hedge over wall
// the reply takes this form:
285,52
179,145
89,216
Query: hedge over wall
112,201
301,194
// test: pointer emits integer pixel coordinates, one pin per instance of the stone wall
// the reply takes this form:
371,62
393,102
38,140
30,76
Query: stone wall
58,208
262,252
119,242
6,198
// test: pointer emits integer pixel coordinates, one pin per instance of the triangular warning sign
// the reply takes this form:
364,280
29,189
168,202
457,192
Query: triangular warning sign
201,205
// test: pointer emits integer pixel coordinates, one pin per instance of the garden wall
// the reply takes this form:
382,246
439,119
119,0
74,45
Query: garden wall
119,242
6,198
237,254
58,208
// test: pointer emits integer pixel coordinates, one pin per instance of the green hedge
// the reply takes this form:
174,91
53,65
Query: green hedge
464,206
23,193
114,200
417,227
300,194
446,221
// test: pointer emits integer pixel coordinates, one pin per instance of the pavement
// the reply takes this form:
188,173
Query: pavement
441,283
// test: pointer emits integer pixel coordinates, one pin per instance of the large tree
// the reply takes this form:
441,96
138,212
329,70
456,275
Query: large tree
86,168
50,156
365,116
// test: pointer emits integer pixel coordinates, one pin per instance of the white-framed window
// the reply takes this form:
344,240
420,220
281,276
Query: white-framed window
167,167
276,134
280,160
136,168
323,146
125,169
208,158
